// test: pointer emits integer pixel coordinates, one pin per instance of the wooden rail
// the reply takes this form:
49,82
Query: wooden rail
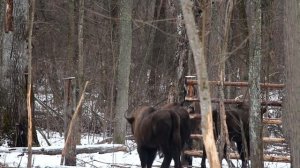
271,121
268,121
234,101
238,84
196,136
265,139
273,140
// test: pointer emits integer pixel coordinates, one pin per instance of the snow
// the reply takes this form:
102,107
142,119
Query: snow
125,159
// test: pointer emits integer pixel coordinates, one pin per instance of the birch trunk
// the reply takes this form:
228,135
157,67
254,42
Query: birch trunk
203,86
29,83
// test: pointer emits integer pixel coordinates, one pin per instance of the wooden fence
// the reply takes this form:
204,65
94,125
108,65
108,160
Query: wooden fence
191,96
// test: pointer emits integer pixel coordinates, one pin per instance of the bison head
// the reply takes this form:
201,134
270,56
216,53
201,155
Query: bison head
137,114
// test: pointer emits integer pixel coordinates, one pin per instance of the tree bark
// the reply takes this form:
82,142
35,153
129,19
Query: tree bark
203,86
69,151
70,66
291,115
228,6
29,83
123,71
14,65
253,9
69,135
80,74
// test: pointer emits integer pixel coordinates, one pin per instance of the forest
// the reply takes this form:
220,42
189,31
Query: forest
77,67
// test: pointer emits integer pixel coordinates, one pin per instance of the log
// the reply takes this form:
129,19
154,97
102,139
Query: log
271,121
238,84
199,153
102,148
110,139
269,158
273,158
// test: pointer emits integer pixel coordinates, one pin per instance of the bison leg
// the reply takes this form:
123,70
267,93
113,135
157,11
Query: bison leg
143,156
151,156
147,156
176,157
242,154
167,161
203,161
167,156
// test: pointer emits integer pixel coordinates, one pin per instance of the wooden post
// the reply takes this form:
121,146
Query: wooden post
70,155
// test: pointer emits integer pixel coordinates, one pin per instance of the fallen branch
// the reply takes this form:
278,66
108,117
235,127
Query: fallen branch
56,150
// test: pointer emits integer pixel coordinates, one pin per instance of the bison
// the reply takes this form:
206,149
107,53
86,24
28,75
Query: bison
237,119
153,130
185,126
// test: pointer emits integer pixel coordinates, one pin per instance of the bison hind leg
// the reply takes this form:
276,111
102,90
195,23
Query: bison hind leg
151,154
176,157
147,156
143,156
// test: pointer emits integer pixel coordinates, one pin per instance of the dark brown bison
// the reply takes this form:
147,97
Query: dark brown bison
237,119
185,126
155,130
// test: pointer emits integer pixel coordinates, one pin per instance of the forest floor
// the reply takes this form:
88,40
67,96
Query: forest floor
124,159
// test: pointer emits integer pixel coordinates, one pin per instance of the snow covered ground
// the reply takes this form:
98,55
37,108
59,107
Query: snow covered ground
116,159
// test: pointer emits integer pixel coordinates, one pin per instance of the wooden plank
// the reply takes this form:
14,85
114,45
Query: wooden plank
273,140
271,121
196,136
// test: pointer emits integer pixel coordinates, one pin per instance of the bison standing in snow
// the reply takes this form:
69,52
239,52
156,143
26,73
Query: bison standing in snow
158,129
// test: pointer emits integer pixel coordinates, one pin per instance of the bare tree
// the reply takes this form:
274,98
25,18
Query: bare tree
29,83
123,71
70,66
228,6
291,115
80,74
14,67
255,121
203,86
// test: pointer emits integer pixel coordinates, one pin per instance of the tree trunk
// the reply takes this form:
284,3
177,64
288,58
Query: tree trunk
69,134
253,9
203,86
70,66
228,6
30,103
14,65
69,151
80,74
123,71
291,115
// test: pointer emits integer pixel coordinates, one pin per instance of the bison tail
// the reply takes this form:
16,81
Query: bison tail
176,139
